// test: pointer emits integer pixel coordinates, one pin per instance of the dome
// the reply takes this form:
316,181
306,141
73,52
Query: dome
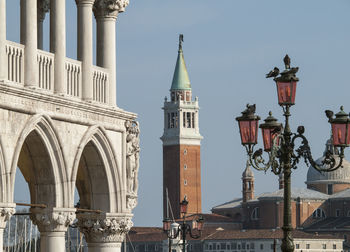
248,173
339,176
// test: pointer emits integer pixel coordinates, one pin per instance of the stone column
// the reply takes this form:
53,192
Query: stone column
3,60
106,12
6,211
104,232
85,45
31,44
43,7
52,224
58,43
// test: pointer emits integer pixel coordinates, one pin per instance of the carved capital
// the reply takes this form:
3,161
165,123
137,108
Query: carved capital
43,8
5,215
109,8
52,220
104,228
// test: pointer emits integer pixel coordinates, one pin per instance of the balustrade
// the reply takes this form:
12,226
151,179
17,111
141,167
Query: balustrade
100,84
15,56
73,77
46,71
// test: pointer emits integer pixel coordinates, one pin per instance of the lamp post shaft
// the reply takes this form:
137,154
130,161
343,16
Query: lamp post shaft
286,159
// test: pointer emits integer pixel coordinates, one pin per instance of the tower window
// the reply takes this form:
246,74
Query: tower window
185,166
172,96
192,120
185,182
185,151
172,121
184,119
188,120
168,120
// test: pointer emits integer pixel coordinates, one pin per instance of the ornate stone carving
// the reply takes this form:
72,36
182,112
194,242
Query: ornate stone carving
104,229
109,8
43,8
5,215
131,201
132,156
52,220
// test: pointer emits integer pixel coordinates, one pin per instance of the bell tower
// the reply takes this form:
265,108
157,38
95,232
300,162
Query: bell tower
248,183
181,143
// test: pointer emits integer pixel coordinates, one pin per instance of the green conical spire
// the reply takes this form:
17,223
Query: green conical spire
181,81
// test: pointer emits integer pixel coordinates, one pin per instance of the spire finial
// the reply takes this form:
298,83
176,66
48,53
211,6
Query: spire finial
181,40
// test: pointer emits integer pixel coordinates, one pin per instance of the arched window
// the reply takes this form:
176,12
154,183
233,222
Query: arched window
255,213
319,214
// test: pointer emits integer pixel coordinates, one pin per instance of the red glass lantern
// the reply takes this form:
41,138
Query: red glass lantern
183,206
166,225
341,129
270,129
248,126
286,92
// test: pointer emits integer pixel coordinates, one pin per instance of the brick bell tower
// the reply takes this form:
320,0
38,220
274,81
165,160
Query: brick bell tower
181,144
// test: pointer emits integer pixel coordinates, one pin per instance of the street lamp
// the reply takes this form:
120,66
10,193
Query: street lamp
279,142
183,228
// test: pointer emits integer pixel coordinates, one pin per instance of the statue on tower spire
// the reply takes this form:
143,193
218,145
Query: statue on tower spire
181,40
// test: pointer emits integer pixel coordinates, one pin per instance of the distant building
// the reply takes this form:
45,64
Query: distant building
323,207
181,144
218,239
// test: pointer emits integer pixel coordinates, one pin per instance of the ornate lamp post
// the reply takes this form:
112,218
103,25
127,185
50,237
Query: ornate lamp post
183,228
279,142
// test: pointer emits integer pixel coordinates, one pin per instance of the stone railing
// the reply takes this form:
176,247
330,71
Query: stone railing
15,59
73,75
46,70
100,84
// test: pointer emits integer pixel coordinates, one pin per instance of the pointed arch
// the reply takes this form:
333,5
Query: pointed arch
39,134
102,179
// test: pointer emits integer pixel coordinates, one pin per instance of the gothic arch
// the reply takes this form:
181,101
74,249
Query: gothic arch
96,173
38,146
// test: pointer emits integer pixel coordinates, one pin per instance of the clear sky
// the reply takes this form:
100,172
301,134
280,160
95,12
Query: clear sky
229,47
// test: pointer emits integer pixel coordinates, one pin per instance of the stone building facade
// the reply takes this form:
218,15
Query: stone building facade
61,127
181,144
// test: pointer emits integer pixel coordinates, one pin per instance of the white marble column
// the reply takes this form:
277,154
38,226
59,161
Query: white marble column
85,51
52,224
104,232
106,13
3,60
43,7
31,44
58,43
6,211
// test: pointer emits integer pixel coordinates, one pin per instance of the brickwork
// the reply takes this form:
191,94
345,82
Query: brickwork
182,176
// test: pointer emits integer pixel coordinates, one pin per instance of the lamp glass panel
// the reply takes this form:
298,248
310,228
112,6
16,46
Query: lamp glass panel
286,92
248,131
266,133
339,132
